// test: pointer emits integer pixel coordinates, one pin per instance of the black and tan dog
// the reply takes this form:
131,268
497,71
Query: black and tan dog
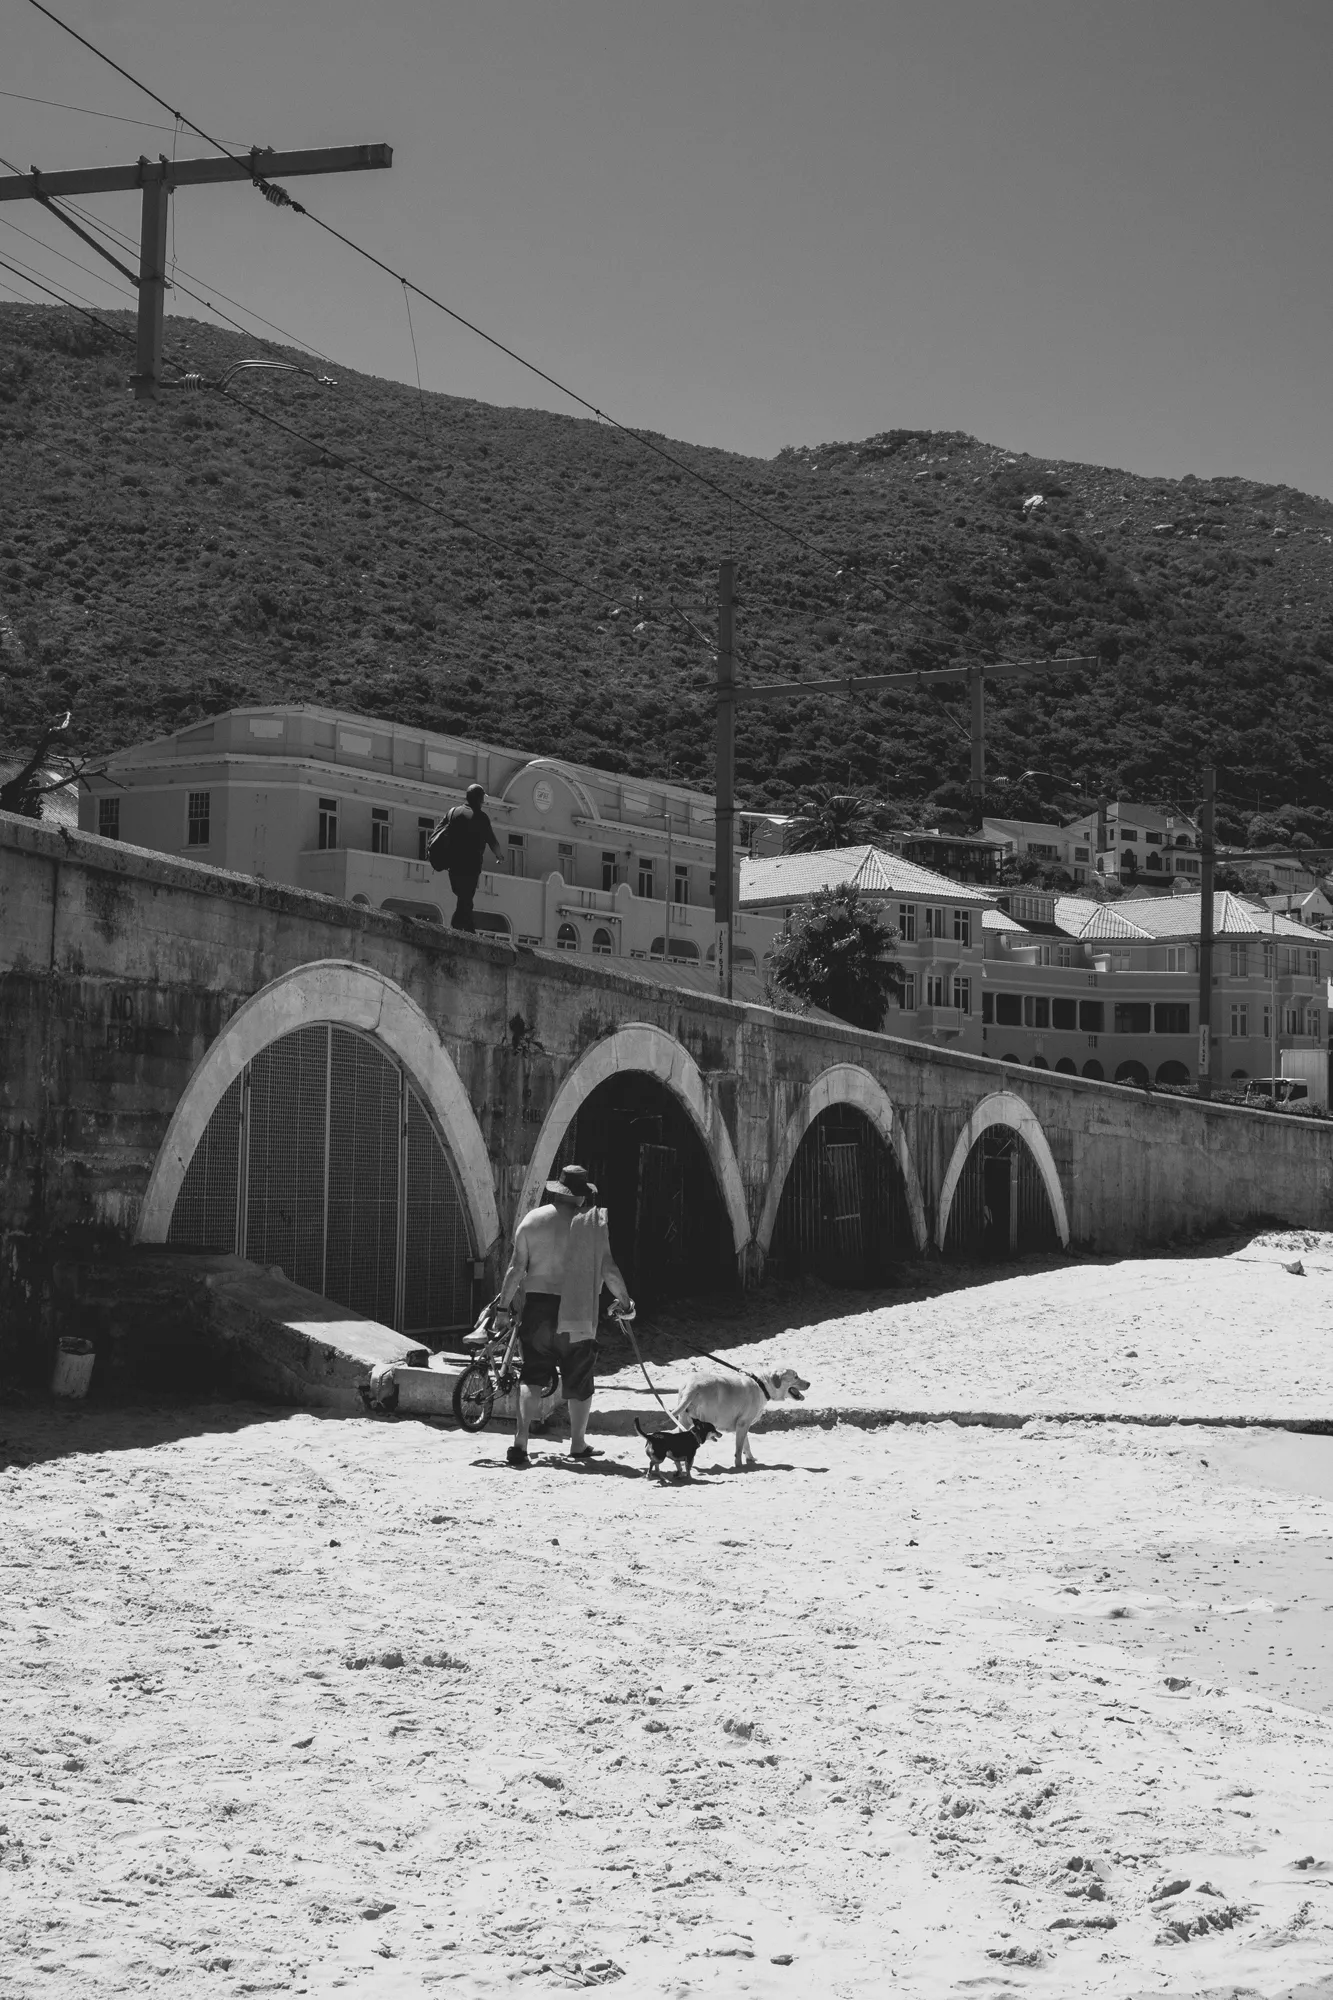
680,1445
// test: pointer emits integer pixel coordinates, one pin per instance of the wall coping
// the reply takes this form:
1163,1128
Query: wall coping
122,859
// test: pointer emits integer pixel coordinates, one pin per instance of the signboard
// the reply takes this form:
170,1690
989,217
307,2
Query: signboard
1204,1051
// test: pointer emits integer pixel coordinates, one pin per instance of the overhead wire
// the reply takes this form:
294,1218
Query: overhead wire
115,117
119,332
65,258
279,198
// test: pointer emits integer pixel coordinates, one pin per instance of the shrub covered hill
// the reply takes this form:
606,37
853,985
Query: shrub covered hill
160,561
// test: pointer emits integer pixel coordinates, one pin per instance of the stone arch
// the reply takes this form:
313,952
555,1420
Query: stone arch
349,996
1002,1107
843,1083
650,1050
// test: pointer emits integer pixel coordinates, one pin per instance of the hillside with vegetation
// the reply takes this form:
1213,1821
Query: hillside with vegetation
161,561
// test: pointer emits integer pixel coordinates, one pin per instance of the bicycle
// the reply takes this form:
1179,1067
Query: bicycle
492,1372
494,1369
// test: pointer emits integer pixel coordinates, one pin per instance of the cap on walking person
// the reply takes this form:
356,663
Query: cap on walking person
572,1184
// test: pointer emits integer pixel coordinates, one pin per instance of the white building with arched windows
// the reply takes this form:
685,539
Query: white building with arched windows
590,860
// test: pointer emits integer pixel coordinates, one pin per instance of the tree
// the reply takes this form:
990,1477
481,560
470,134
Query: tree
836,952
828,818
24,792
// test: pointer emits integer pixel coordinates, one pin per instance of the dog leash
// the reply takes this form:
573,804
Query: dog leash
628,1326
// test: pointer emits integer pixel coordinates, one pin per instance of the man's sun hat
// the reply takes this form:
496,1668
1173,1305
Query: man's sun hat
572,1185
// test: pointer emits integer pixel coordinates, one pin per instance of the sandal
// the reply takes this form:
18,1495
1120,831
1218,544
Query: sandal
517,1458
583,1456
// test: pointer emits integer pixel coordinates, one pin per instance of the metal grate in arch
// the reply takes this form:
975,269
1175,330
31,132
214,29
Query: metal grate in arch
323,1158
1000,1205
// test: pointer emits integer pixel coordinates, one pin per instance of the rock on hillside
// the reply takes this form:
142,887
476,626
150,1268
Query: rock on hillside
159,561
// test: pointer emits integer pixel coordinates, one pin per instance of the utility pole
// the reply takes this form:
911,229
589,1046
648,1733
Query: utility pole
976,685
157,180
1206,936
725,816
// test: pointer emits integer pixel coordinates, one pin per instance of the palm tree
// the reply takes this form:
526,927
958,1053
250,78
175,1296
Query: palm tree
827,818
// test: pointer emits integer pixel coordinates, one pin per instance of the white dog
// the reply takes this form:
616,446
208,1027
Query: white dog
734,1401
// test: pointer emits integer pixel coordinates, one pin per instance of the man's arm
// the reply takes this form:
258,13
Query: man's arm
491,840
517,1274
612,1279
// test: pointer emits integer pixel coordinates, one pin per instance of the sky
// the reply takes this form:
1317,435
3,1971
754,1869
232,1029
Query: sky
1087,231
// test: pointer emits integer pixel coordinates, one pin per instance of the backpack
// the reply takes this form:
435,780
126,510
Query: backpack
445,847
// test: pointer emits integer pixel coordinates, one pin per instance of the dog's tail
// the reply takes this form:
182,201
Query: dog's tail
642,1432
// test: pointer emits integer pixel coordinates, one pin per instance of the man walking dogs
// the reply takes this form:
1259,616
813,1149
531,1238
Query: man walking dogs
562,1258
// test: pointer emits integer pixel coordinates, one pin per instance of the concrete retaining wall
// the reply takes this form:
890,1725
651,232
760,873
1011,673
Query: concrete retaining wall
120,970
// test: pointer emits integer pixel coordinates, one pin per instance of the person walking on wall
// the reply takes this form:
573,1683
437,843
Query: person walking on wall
466,834
562,1258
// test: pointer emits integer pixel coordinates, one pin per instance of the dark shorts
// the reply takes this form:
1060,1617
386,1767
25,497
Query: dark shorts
549,1355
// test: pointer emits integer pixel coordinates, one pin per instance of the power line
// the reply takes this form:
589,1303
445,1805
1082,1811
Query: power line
65,258
119,332
116,117
110,230
350,464
279,197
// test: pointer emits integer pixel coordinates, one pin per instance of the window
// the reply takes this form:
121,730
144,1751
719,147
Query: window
1151,839
1293,1020
1172,1017
1064,1014
934,922
1312,1022
962,995
1132,1017
936,995
1268,1024
601,943
1312,965
1082,854
1184,867
328,823
379,830
1240,961
1036,1011
646,887
1092,1016
907,922
962,926
682,889
1009,1010
907,997
1240,1020
610,873
712,888
1180,958
517,857
565,853
1270,959
197,818
1129,833
425,828
988,1007
1065,956
567,938
108,818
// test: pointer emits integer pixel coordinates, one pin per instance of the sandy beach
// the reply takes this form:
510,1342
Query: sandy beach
301,1705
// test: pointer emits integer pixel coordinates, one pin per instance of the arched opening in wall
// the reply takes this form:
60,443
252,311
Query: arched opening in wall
601,943
567,938
323,1159
1000,1205
1093,1069
670,1233
489,923
843,1213
1134,1073
1172,1072
1067,1067
1039,1062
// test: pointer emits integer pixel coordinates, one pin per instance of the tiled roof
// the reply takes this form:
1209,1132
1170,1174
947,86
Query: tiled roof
1166,919
999,920
780,878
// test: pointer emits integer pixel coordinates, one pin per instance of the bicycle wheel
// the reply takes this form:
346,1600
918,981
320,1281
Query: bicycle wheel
474,1397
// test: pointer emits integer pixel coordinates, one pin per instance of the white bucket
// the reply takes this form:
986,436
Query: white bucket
74,1366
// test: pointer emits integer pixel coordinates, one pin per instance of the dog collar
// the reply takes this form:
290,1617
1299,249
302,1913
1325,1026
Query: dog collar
768,1393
